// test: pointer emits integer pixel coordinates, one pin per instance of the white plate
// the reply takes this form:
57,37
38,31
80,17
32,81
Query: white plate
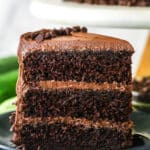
92,15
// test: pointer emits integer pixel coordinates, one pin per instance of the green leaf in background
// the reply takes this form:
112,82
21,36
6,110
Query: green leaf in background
141,106
8,64
8,85
7,105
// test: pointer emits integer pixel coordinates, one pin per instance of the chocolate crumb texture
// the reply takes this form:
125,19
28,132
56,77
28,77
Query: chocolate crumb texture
96,105
92,66
62,136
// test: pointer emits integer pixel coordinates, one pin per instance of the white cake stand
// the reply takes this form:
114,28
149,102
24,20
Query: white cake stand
92,15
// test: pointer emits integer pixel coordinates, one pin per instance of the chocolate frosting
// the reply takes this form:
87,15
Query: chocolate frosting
77,121
51,84
75,41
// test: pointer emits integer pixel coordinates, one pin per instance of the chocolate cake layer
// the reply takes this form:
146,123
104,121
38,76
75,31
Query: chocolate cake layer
88,103
87,66
115,2
71,136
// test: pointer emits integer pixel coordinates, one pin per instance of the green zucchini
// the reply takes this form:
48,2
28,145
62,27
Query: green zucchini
8,64
8,85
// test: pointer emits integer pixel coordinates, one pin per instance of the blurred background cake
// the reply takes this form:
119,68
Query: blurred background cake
115,2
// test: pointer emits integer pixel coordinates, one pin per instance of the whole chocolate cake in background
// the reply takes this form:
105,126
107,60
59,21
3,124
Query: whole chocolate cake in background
115,2
74,91
143,88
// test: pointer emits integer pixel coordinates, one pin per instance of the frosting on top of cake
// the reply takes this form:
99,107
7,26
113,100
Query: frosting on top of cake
75,40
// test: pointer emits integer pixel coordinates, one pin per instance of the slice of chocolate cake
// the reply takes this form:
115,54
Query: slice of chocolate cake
115,2
74,91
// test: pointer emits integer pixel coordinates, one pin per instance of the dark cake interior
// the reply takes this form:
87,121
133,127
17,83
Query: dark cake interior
112,105
63,136
88,66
